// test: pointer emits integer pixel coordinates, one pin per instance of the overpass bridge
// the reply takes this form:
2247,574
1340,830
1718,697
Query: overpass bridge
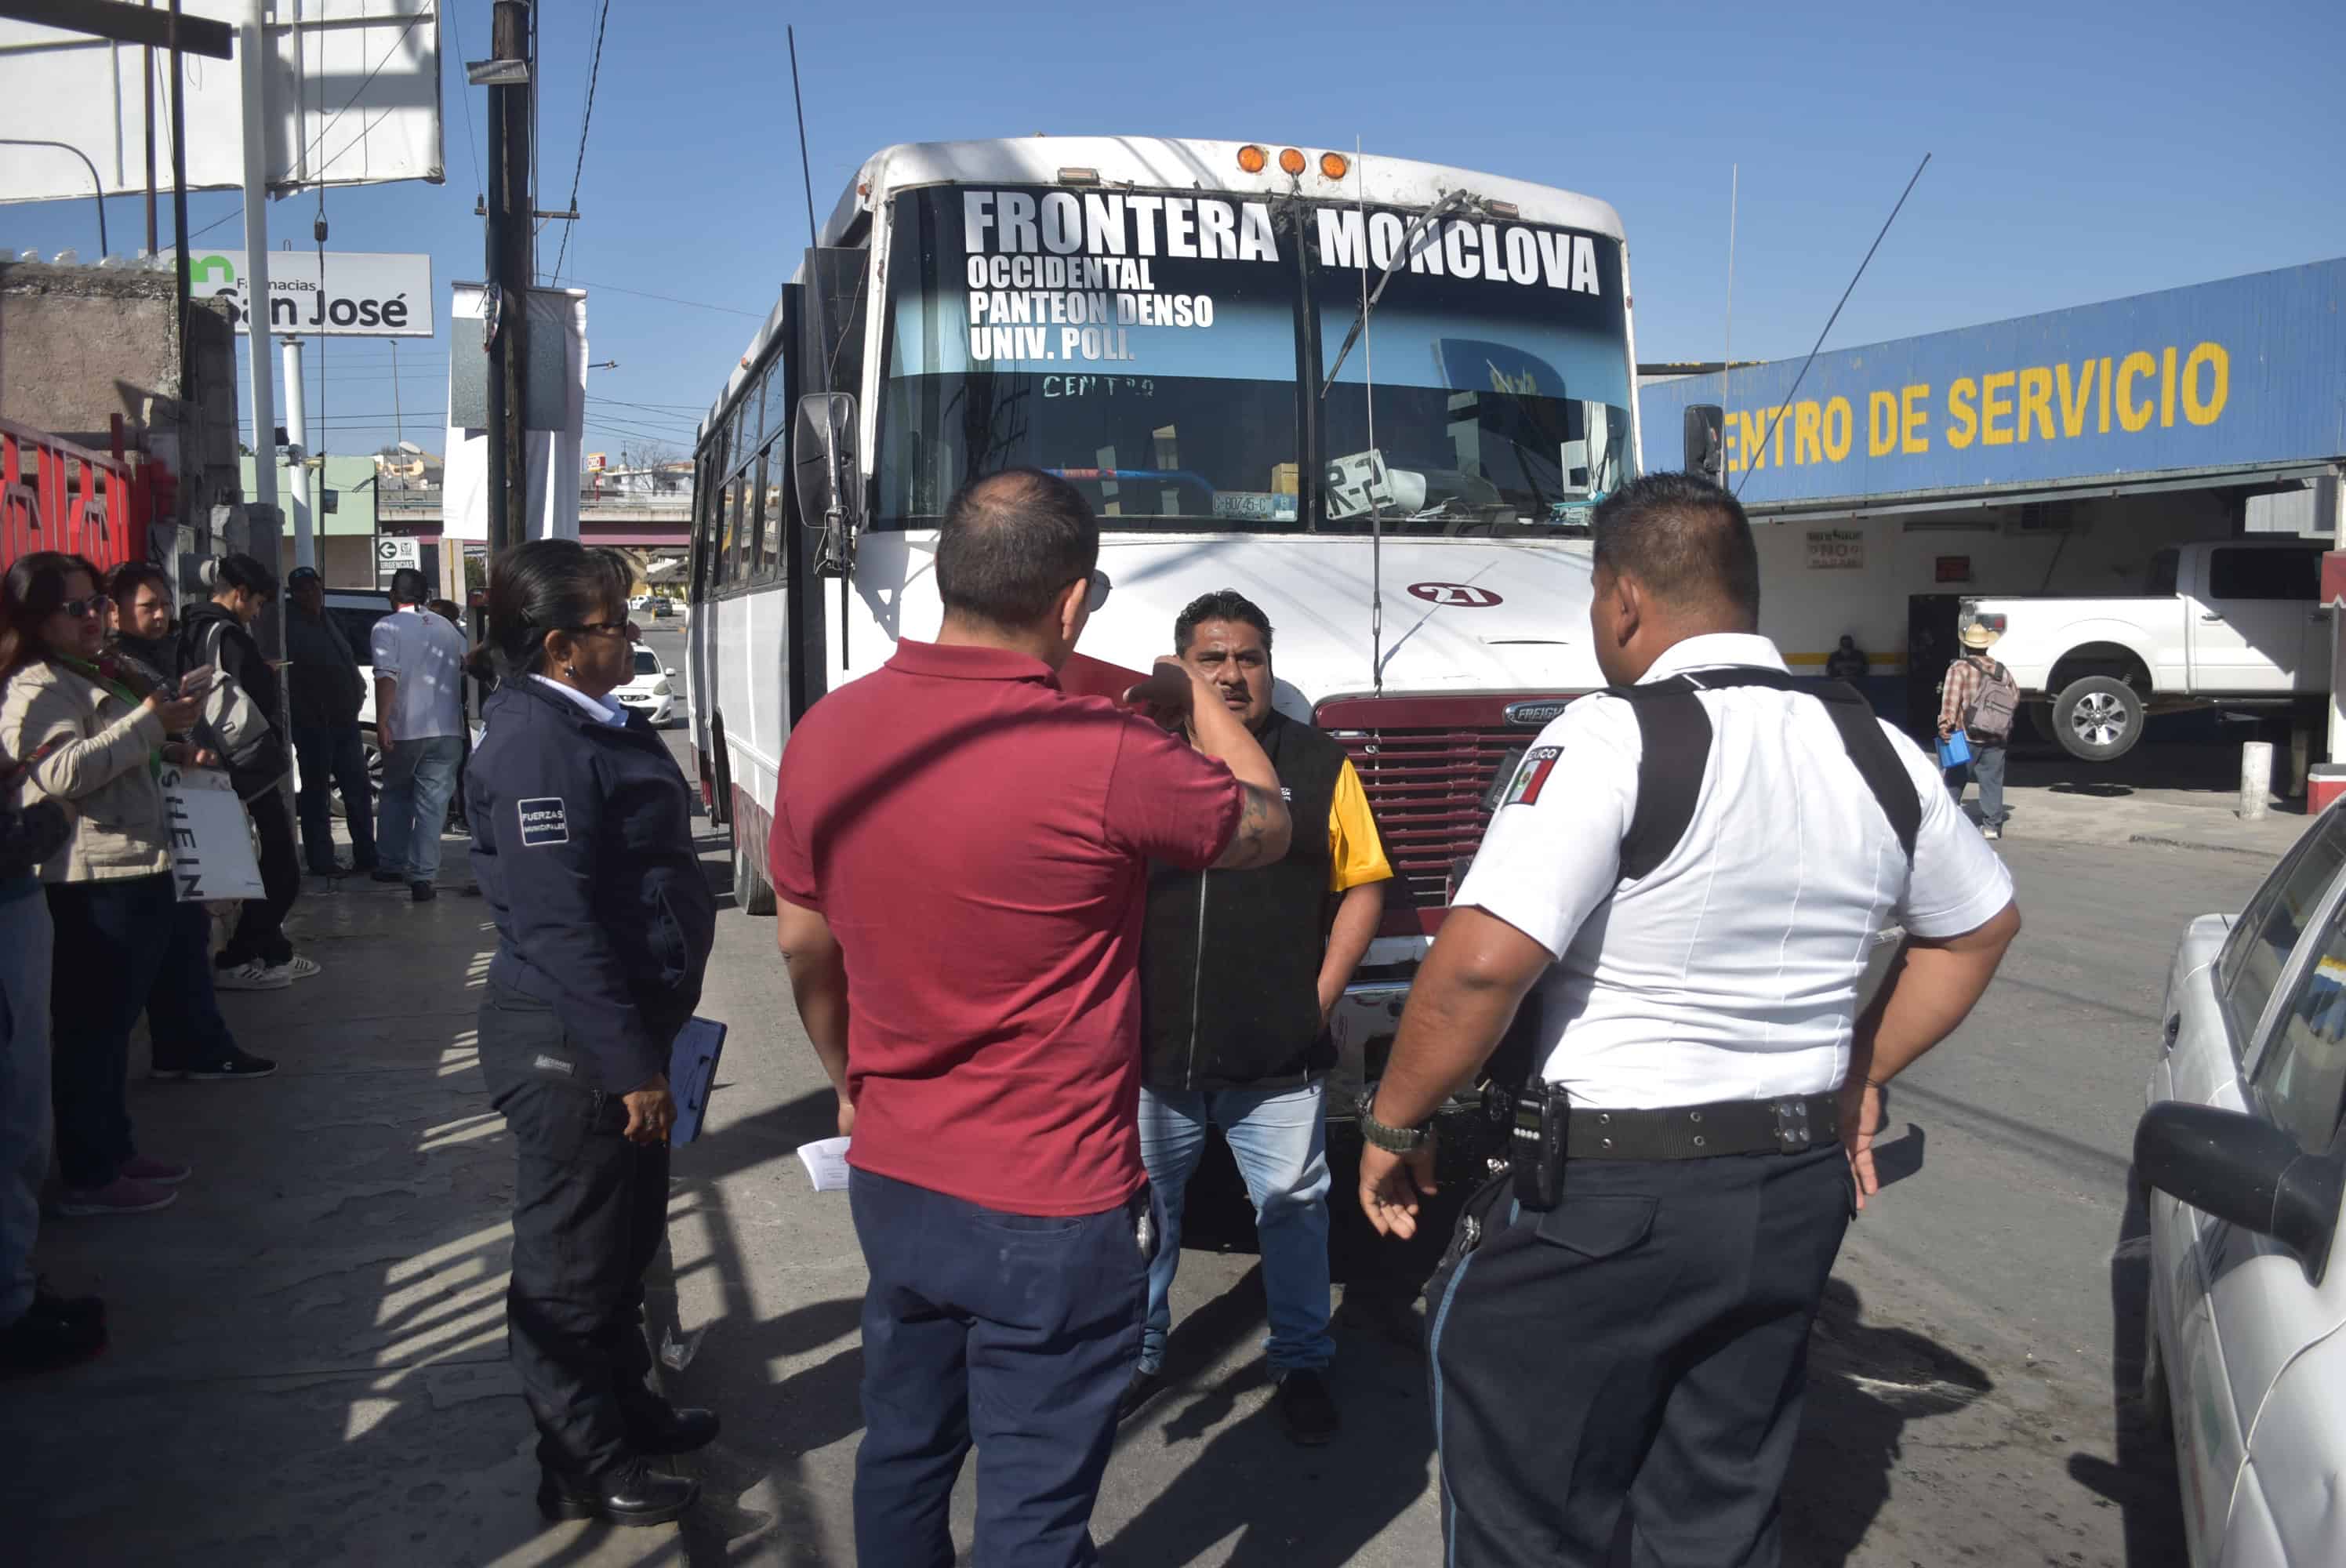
657,522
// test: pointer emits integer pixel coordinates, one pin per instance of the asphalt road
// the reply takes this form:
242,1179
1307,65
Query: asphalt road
1964,1400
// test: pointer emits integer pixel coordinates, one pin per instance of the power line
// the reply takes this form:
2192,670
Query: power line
668,299
480,186
694,408
420,13
585,119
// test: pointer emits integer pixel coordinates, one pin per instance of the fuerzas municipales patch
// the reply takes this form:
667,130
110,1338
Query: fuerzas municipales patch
1532,777
544,820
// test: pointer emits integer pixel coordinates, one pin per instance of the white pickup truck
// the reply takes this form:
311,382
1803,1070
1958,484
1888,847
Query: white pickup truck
2237,624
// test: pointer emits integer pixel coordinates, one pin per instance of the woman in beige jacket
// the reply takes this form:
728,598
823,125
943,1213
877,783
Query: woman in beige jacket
88,740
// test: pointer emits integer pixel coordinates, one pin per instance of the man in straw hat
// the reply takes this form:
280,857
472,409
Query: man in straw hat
1979,698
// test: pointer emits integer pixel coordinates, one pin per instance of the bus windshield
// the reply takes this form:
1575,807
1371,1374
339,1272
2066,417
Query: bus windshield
1155,350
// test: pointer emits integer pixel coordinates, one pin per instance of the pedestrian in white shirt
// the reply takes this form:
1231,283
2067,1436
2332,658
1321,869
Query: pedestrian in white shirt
419,715
1688,870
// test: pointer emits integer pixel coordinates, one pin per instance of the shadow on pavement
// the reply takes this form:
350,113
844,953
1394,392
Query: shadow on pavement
1327,1504
2144,1482
308,1361
769,1427
1865,1383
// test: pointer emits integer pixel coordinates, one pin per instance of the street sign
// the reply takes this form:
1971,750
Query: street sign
357,294
391,554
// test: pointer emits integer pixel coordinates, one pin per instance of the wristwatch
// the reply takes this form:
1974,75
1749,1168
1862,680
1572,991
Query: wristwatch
1393,1140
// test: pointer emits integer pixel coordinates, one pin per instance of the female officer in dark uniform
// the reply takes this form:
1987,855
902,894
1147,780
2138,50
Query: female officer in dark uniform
582,842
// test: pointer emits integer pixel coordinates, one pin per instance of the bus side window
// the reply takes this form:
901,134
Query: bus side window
729,550
757,522
774,471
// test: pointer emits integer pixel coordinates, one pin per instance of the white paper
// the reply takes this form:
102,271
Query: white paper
826,1164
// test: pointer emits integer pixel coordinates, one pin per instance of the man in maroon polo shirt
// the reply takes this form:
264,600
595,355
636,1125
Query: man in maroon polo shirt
960,850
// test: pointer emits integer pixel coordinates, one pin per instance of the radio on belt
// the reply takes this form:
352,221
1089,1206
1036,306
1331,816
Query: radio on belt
1535,1144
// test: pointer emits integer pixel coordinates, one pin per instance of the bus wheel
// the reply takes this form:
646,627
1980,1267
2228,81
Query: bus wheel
750,889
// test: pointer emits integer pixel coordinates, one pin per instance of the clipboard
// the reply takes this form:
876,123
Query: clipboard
692,1074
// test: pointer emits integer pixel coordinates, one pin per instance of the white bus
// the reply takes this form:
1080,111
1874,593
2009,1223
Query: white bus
1178,327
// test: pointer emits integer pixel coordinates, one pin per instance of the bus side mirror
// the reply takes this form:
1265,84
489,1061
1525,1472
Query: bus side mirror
1706,441
823,474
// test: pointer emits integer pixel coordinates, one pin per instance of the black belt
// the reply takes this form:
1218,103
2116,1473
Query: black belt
1786,1125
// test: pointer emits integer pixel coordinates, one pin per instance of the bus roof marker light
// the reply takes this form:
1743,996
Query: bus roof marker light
1252,158
1502,209
1079,177
1334,165
1291,161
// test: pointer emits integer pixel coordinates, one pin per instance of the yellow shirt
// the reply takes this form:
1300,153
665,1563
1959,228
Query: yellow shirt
1355,853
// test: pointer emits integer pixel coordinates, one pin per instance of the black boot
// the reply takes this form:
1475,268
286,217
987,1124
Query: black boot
671,1429
37,1342
630,1492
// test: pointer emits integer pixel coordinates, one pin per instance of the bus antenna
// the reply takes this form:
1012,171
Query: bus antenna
1765,435
806,169
1376,459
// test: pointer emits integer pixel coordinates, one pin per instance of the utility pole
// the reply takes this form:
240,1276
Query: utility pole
252,52
146,86
298,489
512,232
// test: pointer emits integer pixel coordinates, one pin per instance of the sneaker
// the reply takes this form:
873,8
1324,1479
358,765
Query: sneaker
1305,1408
1144,1387
40,1342
250,975
121,1195
422,893
235,1064
1991,833
295,968
158,1173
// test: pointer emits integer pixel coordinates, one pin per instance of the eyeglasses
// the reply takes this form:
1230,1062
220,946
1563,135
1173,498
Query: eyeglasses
80,608
628,630
1099,587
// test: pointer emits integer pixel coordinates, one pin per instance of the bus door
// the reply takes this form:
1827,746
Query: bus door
823,317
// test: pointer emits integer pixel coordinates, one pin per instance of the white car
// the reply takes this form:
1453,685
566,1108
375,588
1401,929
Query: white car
650,693
2241,1159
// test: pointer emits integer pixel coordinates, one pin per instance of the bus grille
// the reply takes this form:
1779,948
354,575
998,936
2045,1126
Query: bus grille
1425,787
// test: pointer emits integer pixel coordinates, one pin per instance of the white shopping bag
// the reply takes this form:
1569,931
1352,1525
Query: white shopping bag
211,837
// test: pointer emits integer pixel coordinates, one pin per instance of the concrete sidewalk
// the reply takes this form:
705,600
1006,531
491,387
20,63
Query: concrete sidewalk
2174,797
308,1362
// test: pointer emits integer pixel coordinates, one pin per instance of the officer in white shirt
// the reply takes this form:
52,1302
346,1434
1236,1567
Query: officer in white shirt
1686,880
419,715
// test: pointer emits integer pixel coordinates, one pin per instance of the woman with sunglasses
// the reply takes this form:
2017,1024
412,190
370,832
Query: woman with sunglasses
582,843
84,738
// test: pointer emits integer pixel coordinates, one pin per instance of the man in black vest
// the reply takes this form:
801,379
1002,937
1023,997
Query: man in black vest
1239,971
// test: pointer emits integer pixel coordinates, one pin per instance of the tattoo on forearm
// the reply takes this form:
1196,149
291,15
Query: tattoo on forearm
1254,822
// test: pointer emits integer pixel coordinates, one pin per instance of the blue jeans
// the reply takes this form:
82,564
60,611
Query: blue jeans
418,778
1009,1330
24,959
1279,1138
335,758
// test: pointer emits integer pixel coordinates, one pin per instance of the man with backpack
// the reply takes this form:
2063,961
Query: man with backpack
1677,894
1979,698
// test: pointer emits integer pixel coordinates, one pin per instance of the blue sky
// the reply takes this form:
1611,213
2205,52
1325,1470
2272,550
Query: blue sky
2081,151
